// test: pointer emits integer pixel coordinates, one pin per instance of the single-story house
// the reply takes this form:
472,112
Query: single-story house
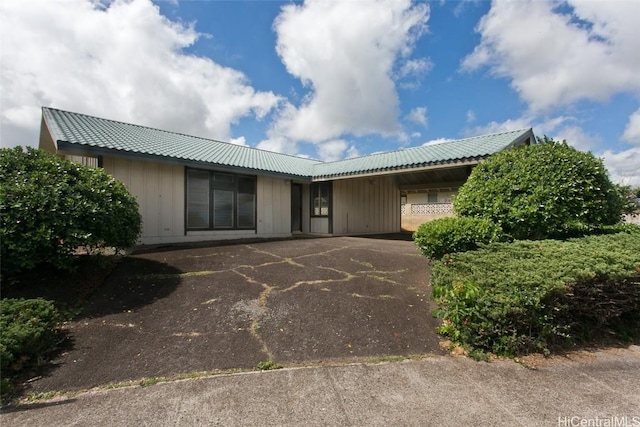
194,189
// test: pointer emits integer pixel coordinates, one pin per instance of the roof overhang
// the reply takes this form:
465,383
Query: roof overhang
400,170
74,149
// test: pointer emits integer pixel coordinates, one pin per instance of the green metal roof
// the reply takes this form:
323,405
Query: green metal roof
444,153
79,132
74,132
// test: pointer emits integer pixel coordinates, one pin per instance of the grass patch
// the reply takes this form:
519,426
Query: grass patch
268,365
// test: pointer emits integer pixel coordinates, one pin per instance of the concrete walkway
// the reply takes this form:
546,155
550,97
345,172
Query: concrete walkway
595,389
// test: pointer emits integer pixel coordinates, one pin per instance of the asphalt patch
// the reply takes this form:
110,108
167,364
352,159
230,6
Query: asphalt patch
183,310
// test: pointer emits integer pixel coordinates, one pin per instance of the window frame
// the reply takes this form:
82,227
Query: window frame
318,191
240,186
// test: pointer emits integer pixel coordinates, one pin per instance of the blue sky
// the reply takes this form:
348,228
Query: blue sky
331,79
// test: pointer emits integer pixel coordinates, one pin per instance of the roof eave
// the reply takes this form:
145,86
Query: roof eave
401,169
65,147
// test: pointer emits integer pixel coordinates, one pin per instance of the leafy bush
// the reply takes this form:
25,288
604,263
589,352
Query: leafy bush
513,298
50,206
448,235
27,332
545,190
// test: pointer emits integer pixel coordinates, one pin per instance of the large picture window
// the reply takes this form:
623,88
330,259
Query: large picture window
321,199
217,200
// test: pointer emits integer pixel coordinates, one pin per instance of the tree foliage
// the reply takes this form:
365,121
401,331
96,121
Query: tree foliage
543,190
457,234
51,206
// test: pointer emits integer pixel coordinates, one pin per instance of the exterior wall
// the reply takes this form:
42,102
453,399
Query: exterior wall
417,210
273,207
319,225
160,191
366,205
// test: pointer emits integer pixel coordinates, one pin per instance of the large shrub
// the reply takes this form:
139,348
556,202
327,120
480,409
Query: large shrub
544,190
512,298
50,206
27,332
458,234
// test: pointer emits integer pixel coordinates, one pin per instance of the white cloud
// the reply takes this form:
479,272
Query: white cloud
279,144
345,54
333,150
632,130
419,115
352,152
121,60
241,140
415,67
497,127
624,167
554,58
577,137
436,141
471,116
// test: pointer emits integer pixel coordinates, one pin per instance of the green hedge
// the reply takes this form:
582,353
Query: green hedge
541,191
448,235
514,298
50,206
27,332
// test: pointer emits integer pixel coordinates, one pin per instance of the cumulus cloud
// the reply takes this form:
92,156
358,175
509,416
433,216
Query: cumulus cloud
558,128
497,127
121,60
624,166
418,115
632,130
345,54
557,53
332,150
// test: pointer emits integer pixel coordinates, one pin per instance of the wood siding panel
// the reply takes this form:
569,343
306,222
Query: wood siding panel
159,189
274,206
366,205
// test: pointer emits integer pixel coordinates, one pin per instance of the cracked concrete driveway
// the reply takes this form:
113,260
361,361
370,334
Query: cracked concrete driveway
299,301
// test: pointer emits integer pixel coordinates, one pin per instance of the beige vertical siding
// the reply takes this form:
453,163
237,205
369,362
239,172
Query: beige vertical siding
159,189
366,205
274,207
319,225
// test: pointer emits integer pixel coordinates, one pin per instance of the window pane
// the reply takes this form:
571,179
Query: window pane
432,198
324,206
246,210
316,206
320,193
223,178
197,199
222,209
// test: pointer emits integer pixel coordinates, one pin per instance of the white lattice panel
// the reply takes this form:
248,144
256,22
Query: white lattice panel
431,208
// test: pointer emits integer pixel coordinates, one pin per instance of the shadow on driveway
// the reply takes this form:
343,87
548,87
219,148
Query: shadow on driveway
190,309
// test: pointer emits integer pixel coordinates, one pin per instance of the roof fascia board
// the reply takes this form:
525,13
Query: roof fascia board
431,186
522,138
83,150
